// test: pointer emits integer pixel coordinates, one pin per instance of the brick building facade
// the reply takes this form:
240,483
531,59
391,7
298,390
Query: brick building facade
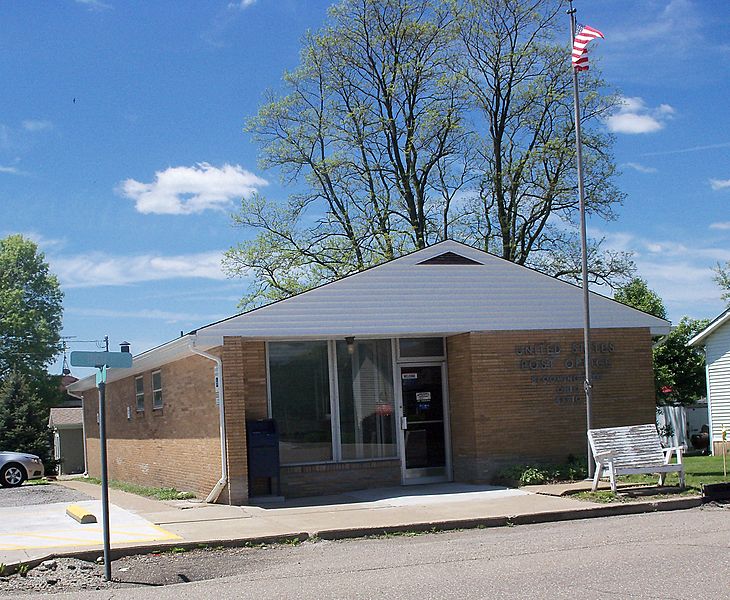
491,383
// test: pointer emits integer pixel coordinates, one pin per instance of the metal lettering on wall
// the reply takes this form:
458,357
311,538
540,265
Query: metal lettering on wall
544,358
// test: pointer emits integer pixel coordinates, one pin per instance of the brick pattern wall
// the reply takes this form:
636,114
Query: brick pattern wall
244,379
524,399
175,446
338,478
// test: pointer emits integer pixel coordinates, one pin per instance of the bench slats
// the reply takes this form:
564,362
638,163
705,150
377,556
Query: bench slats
632,449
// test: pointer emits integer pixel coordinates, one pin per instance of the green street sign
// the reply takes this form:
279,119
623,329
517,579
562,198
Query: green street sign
115,360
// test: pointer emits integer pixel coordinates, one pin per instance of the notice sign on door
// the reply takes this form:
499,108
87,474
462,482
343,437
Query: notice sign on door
409,376
423,396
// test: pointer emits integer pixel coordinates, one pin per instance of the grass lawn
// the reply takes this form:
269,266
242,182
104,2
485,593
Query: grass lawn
698,470
141,490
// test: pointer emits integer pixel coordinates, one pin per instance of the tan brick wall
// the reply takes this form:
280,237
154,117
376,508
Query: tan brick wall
175,446
338,478
244,378
502,411
524,400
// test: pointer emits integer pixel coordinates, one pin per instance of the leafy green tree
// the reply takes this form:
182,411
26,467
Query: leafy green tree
410,121
722,278
636,293
512,55
679,370
369,131
30,308
24,419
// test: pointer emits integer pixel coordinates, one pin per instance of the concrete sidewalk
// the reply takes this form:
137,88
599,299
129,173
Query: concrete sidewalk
368,512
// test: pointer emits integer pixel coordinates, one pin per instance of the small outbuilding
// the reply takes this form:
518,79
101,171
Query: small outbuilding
716,340
447,364
67,424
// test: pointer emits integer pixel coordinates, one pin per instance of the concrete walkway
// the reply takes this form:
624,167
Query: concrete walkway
368,512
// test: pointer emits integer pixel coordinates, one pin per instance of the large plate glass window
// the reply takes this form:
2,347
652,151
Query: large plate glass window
300,400
366,405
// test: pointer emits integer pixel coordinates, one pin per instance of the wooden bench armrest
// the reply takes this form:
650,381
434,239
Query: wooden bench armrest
669,451
601,455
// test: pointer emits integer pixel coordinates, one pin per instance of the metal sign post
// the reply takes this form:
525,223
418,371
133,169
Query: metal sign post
101,361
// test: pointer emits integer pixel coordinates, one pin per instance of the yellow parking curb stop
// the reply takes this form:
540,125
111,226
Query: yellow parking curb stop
80,514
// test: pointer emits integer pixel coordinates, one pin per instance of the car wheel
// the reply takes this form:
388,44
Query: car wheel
12,475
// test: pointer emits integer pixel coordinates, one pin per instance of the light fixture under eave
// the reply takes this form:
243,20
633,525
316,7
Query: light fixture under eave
350,341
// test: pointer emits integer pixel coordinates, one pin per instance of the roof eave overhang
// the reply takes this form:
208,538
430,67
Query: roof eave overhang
151,359
719,321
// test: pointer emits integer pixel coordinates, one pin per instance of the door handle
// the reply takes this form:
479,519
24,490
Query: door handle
404,423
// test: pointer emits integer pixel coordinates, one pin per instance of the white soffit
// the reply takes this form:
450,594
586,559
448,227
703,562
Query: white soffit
403,297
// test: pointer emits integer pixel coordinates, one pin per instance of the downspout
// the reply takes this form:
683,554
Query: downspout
218,382
83,428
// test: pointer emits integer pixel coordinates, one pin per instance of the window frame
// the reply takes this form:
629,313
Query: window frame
139,394
335,401
418,359
155,390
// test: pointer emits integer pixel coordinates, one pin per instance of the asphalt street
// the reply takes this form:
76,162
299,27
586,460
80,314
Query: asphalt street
674,555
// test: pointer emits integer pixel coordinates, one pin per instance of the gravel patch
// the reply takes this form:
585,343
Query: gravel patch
68,575
26,495
56,575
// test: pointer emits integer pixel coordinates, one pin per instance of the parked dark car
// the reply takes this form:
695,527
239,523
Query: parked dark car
16,467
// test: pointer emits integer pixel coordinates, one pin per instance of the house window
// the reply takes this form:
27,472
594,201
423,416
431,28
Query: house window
300,400
333,401
365,389
139,392
156,390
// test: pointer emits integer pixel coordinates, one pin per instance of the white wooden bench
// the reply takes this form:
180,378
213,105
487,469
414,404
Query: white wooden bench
630,450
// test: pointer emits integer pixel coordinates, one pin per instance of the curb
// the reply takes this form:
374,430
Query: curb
609,510
80,514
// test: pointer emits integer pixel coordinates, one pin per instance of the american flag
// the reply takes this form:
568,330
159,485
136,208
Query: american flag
580,55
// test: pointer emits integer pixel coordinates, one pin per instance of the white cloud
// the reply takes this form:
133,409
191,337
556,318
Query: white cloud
189,190
36,125
103,269
95,4
154,314
634,116
639,167
722,225
10,170
675,29
690,149
719,184
43,242
241,4
680,273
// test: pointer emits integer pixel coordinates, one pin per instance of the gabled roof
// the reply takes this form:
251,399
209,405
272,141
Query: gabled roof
66,417
714,325
444,289
419,294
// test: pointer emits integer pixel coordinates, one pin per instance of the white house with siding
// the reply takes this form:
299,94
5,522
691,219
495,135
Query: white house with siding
716,340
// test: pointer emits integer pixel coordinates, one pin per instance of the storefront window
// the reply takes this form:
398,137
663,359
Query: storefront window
300,400
365,386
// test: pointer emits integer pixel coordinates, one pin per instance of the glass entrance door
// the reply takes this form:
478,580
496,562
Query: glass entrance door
423,424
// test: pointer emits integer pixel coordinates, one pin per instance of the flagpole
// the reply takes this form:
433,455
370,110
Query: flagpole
587,384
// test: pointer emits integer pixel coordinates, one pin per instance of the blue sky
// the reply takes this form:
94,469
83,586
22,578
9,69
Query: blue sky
122,151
